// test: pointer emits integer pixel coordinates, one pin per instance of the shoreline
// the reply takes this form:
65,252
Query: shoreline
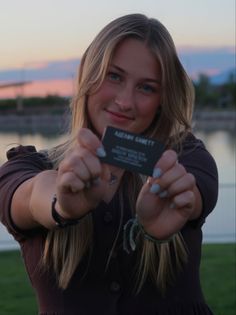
47,123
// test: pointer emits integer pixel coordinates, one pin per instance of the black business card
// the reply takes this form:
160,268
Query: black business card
131,151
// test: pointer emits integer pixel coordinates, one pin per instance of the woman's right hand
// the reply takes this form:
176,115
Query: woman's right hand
80,184
82,180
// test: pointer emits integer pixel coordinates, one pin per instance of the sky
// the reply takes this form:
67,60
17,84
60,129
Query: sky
34,33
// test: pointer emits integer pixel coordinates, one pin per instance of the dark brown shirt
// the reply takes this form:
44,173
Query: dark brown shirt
110,292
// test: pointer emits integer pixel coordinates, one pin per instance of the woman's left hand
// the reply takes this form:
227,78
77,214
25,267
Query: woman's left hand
168,199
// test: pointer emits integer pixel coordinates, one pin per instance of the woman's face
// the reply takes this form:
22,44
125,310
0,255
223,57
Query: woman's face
131,91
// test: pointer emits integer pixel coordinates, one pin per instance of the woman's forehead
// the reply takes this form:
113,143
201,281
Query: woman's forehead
134,54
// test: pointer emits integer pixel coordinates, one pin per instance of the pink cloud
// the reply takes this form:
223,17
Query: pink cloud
209,72
204,49
36,65
40,88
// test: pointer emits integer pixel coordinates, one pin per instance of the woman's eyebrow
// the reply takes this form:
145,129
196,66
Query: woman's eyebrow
118,68
151,80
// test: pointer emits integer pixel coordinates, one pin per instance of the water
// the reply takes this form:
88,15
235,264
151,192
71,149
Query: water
219,226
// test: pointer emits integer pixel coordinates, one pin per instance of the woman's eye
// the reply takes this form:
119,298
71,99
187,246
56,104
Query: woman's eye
114,76
146,88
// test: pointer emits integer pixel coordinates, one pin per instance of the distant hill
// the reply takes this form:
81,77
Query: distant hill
223,76
216,63
53,70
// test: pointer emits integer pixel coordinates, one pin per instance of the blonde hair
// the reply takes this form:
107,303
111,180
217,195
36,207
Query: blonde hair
170,125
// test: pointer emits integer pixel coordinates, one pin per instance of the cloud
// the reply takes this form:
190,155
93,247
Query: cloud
56,70
207,60
56,77
64,88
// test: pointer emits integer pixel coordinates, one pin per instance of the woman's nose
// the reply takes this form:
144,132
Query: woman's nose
125,98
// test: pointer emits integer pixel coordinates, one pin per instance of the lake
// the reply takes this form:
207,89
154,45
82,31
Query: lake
220,141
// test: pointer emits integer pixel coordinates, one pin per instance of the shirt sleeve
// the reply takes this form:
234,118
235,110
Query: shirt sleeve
24,162
199,162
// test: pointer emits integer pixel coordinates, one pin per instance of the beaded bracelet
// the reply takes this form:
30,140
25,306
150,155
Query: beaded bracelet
131,229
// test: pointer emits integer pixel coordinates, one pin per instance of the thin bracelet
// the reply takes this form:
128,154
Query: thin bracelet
131,229
60,221
154,239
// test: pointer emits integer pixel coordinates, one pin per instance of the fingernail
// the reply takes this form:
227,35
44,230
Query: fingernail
74,190
101,152
155,188
156,172
87,185
96,181
163,194
172,205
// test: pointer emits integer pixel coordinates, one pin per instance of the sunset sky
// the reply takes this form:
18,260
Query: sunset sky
34,33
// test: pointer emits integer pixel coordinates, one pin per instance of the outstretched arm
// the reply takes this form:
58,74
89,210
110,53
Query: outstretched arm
168,201
79,183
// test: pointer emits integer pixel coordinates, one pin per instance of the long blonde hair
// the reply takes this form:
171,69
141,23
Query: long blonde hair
65,248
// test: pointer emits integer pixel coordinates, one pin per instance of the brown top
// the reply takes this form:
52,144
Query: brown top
109,292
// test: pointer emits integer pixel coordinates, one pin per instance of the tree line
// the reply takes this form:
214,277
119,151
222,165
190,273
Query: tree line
207,96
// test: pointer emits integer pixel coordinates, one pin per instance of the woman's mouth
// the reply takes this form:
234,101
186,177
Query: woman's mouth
117,116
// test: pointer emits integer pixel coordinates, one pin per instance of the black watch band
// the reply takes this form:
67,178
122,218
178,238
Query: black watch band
60,221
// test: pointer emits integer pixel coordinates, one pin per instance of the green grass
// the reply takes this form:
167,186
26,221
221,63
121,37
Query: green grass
16,295
218,274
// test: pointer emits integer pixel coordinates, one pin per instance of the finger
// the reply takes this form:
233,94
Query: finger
185,183
92,163
89,140
168,159
172,175
174,181
77,166
176,177
184,201
81,161
69,182
106,173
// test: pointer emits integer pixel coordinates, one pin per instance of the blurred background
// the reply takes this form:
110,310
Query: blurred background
41,46
41,43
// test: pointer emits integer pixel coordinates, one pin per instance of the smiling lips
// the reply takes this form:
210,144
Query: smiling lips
118,116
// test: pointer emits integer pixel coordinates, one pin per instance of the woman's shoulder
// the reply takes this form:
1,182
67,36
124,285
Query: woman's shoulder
191,141
29,153
194,152
23,163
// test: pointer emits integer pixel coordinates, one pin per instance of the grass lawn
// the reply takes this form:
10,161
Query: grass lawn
16,296
218,274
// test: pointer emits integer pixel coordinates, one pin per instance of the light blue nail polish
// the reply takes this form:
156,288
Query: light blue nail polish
101,152
163,194
96,181
156,172
155,188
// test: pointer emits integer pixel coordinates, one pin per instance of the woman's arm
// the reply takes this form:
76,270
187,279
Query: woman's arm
179,193
168,201
80,184
31,202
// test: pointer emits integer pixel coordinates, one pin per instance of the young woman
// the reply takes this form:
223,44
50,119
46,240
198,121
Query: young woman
97,239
